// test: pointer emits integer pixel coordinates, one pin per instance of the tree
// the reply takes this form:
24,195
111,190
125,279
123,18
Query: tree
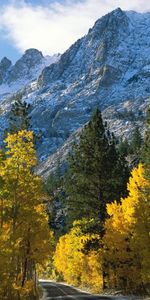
54,187
123,147
75,266
19,115
127,239
146,147
143,211
24,233
96,175
136,142
19,119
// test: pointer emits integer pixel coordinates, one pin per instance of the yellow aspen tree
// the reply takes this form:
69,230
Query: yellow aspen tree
68,258
141,237
28,237
127,238
75,265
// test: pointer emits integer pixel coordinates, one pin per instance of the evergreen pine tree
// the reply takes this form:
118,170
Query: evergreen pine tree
146,147
136,142
19,115
97,174
123,147
54,187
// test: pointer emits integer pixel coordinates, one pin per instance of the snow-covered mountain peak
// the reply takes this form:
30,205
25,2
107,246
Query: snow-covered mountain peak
90,51
24,71
114,20
30,58
32,52
109,67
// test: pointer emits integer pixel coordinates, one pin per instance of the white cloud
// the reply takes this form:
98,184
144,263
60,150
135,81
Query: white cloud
54,28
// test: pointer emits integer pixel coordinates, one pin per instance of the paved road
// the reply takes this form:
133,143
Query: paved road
54,290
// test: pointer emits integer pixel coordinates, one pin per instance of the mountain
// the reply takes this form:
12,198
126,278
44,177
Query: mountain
19,77
24,67
25,70
109,68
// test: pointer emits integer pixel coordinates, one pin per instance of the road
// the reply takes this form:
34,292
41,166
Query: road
53,290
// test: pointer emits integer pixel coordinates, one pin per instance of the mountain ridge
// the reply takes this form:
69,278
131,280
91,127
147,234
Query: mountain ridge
25,70
109,67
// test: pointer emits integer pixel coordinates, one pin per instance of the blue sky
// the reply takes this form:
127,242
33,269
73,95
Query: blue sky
6,46
52,25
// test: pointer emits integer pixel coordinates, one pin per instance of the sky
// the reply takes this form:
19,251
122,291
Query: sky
51,26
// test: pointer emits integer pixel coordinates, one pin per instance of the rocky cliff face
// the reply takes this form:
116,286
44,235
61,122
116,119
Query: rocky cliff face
108,68
89,56
5,65
23,68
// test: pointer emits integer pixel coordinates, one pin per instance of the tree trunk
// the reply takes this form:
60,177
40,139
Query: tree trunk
2,209
25,265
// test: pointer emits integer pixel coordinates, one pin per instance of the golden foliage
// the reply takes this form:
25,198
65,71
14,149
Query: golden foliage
123,261
25,241
127,238
77,267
